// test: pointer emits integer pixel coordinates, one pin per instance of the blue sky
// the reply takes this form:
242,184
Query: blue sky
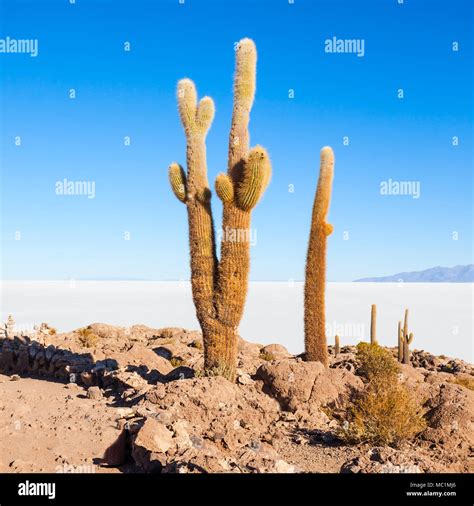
132,93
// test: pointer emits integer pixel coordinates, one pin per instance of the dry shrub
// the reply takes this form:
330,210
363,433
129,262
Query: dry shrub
467,382
87,337
384,413
265,355
375,362
177,361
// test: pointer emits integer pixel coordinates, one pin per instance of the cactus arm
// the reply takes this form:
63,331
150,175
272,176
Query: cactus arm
177,179
224,188
410,338
248,174
255,178
315,279
244,93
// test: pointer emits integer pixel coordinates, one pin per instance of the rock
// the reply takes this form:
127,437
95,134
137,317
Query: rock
280,466
306,386
127,380
94,393
450,416
154,437
277,351
291,383
181,435
387,460
244,379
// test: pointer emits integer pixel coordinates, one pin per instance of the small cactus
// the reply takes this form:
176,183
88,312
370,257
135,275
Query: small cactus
373,331
400,342
337,346
10,327
406,348
405,339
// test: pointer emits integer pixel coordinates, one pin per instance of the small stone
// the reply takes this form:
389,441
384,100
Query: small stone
281,466
14,377
94,393
244,379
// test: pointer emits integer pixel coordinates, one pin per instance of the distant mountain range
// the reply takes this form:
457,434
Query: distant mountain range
456,274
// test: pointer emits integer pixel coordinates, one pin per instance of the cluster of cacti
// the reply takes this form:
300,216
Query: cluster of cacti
373,323
404,340
220,286
315,279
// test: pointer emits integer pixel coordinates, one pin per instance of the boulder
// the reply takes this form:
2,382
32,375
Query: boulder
154,437
299,385
277,351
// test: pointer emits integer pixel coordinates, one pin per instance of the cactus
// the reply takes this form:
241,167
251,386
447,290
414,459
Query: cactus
373,318
406,339
220,286
315,280
400,342
337,346
406,348
10,327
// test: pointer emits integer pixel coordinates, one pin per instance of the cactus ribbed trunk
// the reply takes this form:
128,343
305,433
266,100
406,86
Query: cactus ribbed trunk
315,279
373,323
315,319
220,287
406,352
400,342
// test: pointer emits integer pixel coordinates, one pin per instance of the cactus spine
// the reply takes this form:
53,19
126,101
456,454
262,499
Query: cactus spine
337,346
373,321
315,279
220,287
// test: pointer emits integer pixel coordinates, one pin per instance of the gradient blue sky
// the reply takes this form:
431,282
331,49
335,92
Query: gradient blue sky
132,94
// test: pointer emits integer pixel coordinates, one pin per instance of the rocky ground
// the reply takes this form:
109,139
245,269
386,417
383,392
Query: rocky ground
111,399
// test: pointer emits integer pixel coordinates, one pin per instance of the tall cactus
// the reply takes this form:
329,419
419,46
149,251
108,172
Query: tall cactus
315,280
220,287
373,323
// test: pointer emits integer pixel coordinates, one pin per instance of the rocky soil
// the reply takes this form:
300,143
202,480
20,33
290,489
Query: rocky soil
114,399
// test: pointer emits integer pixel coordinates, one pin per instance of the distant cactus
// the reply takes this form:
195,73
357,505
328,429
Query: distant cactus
10,327
220,287
337,346
400,342
406,348
406,339
373,321
315,279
